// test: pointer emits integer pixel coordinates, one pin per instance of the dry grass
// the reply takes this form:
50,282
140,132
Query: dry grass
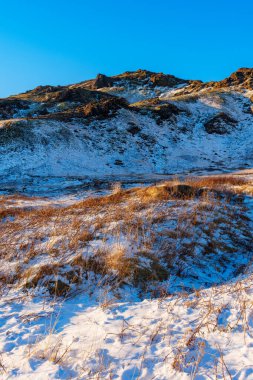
218,182
123,235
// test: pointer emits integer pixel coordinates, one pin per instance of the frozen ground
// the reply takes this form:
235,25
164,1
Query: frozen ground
204,335
95,332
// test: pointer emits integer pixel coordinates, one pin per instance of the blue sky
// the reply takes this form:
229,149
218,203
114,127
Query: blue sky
67,41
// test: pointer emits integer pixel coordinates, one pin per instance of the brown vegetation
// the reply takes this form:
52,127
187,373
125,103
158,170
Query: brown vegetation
56,247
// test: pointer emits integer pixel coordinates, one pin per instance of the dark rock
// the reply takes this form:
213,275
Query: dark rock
242,77
220,124
8,107
78,95
166,111
95,104
157,108
102,81
164,80
104,108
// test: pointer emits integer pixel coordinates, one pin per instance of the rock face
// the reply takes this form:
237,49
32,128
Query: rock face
160,110
163,80
51,95
9,107
60,103
102,81
104,108
243,76
134,79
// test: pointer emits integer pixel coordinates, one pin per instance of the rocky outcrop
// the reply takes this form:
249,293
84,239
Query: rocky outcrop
133,79
220,124
9,107
102,81
102,97
50,95
60,103
160,110
241,77
163,80
103,108
40,93
149,78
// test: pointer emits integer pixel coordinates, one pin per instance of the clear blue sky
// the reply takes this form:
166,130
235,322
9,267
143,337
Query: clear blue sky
66,41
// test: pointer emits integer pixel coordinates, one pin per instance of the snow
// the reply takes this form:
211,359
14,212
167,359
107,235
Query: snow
195,324
172,338
94,149
97,333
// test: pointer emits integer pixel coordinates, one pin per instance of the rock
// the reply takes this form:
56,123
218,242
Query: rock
242,77
160,110
166,111
9,107
102,81
104,107
118,162
220,124
164,80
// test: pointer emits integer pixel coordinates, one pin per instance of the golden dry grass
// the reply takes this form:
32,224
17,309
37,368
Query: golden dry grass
61,235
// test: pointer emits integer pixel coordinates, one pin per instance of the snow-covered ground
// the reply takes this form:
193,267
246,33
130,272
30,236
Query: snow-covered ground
196,324
204,335
108,147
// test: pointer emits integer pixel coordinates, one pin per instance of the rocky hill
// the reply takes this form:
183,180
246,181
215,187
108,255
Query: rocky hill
105,274
135,122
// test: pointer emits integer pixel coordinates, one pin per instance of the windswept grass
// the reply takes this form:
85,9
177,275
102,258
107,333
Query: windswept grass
139,236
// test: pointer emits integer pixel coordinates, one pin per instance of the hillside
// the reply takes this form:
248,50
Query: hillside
126,229
137,122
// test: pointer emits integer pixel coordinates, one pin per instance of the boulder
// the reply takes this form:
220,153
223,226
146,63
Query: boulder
102,81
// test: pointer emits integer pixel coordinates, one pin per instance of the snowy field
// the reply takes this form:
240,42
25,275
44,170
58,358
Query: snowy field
204,335
174,302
